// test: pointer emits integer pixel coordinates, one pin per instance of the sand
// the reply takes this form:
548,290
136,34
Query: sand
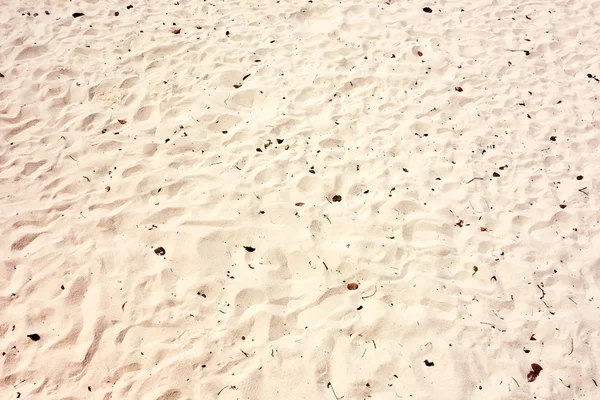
188,188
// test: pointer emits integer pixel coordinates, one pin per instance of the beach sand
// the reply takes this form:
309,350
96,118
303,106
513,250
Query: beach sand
189,187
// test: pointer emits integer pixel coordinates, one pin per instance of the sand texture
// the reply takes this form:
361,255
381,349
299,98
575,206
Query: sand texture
187,188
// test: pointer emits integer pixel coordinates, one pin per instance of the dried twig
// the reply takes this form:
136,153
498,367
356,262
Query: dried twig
572,347
329,385
524,51
543,293
371,295
471,204
475,178
547,306
569,386
222,390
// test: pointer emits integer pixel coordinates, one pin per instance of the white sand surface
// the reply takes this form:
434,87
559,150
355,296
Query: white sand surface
464,137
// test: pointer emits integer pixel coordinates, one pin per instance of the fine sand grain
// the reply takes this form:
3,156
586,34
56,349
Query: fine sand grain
299,200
